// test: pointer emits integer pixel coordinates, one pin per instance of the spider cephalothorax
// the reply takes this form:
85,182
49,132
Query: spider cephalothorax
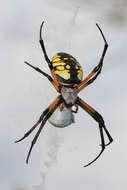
67,77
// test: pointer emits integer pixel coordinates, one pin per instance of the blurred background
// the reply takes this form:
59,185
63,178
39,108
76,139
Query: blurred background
59,155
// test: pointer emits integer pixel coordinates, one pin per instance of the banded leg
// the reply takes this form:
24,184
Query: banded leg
45,74
43,118
54,82
97,70
101,123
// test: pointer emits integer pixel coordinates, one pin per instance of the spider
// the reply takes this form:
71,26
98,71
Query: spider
66,78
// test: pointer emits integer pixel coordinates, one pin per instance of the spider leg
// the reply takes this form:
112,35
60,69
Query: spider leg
40,71
102,145
97,70
37,134
100,120
55,82
45,74
43,118
101,123
43,47
34,127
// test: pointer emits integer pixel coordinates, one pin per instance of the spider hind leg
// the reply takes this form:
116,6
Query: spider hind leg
102,146
100,120
34,127
102,127
43,118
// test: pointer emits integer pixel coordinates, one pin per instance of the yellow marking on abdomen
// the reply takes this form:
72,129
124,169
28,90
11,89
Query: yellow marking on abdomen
58,63
56,59
68,67
66,58
64,74
72,58
60,68
76,66
80,74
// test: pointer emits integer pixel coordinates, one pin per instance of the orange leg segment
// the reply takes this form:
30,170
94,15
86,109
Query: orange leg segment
55,81
101,123
83,84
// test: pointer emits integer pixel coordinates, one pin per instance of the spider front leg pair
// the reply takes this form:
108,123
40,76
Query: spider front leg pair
54,79
97,70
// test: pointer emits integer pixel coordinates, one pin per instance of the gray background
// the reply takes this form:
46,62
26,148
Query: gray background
58,157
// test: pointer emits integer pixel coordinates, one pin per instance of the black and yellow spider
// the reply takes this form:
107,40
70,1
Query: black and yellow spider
67,77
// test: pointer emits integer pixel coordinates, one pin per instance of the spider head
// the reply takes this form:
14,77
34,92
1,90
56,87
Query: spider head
67,69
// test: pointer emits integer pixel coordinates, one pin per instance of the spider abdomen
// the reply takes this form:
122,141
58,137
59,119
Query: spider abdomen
67,69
